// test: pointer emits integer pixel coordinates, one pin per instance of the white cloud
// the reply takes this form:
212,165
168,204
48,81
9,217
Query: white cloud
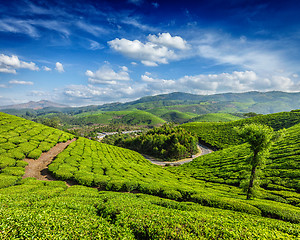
295,75
92,29
133,22
7,70
95,45
106,75
47,69
124,68
225,82
18,26
91,93
3,86
20,82
10,64
149,63
237,81
165,39
258,56
59,67
150,54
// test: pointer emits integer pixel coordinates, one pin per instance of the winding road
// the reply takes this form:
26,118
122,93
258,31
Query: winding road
203,150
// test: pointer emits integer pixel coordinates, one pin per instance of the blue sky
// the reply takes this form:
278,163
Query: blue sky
95,52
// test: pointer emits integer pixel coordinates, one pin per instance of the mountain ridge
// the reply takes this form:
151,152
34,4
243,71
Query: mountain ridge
254,101
34,105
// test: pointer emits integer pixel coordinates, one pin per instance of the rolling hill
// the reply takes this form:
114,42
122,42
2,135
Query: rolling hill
259,102
134,199
35,105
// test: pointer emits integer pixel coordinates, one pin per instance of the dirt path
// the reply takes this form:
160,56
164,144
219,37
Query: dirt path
202,151
39,168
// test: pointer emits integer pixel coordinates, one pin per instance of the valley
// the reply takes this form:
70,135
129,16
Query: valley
199,199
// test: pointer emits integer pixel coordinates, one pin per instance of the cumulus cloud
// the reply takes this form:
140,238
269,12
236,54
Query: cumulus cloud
91,93
59,67
167,40
106,75
20,82
158,50
47,69
10,64
237,81
225,82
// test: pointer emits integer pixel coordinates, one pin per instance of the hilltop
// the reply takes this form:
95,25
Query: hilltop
35,105
259,102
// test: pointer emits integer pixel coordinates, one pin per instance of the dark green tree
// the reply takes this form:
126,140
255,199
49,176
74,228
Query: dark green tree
260,139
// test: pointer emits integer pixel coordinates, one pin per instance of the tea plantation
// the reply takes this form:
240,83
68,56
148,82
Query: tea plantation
118,194
222,135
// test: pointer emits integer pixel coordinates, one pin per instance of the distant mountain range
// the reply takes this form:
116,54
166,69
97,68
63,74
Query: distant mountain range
258,102
35,105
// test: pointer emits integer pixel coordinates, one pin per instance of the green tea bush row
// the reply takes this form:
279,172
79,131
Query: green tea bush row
20,138
222,135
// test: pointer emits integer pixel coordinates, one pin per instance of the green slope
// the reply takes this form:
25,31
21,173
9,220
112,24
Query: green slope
43,210
222,135
20,138
135,117
215,117
281,175
172,115
50,210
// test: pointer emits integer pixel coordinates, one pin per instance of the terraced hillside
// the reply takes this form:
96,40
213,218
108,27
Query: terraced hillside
281,175
215,117
159,203
136,117
21,139
222,135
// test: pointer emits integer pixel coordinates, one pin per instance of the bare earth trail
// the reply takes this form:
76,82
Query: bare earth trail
39,168
203,150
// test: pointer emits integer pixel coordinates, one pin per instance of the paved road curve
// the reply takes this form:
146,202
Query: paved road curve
202,151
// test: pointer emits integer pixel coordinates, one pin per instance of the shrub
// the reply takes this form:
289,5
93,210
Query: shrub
150,188
172,194
15,171
84,178
6,162
8,180
278,211
101,181
115,185
35,154
224,203
21,163
16,154
45,146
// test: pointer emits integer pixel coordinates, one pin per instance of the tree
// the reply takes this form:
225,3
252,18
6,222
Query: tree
260,138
